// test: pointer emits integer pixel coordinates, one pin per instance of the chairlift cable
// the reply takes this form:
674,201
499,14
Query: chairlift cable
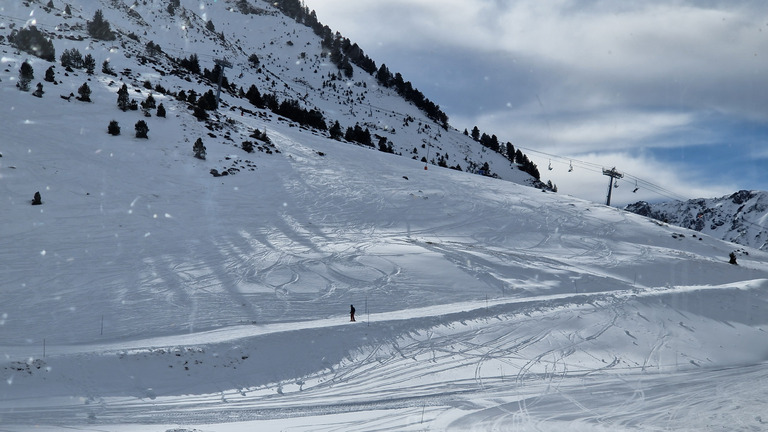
596,168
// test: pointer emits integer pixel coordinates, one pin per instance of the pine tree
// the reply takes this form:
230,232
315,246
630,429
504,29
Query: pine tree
475,133
49,75
191,64
72,58
99,27
85,93
270,101
199,149
34,42
161,110
141,129
123,101
383,146
26,75
254,97
335,131
39,92
200,113
510,152
346,67
207,101
359,135
149,102
113,128
153,49
384,76
107,69
89,63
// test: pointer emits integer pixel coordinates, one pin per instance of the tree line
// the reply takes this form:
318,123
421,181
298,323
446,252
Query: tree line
507,150
344,53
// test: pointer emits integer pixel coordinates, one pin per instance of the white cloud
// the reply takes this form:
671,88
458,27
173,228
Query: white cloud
634,52
587,132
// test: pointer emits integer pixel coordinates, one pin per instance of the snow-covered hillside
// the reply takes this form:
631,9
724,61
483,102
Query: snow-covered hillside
739,218
144,294
291,65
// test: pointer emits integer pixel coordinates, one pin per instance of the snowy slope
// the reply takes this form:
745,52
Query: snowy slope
292,65
145,294
741,217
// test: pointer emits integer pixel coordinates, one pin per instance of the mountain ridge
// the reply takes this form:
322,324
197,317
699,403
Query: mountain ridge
740,218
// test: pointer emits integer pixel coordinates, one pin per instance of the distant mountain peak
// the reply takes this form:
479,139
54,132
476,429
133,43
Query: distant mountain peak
741,217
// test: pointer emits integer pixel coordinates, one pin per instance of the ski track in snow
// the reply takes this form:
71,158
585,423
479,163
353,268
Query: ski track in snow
487,366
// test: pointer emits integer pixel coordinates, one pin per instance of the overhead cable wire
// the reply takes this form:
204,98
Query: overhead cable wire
596,168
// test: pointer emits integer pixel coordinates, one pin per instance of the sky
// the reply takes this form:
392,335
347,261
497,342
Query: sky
671,93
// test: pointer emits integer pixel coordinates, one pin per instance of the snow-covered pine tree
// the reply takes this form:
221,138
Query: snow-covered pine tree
26,75
99,28
49,75
113,128
123,101
85,93
141,129
39,92
89,63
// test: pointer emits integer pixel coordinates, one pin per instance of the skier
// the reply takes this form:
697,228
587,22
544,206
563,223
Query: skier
351,312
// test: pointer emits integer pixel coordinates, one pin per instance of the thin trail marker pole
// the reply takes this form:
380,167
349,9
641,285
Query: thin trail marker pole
367,313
